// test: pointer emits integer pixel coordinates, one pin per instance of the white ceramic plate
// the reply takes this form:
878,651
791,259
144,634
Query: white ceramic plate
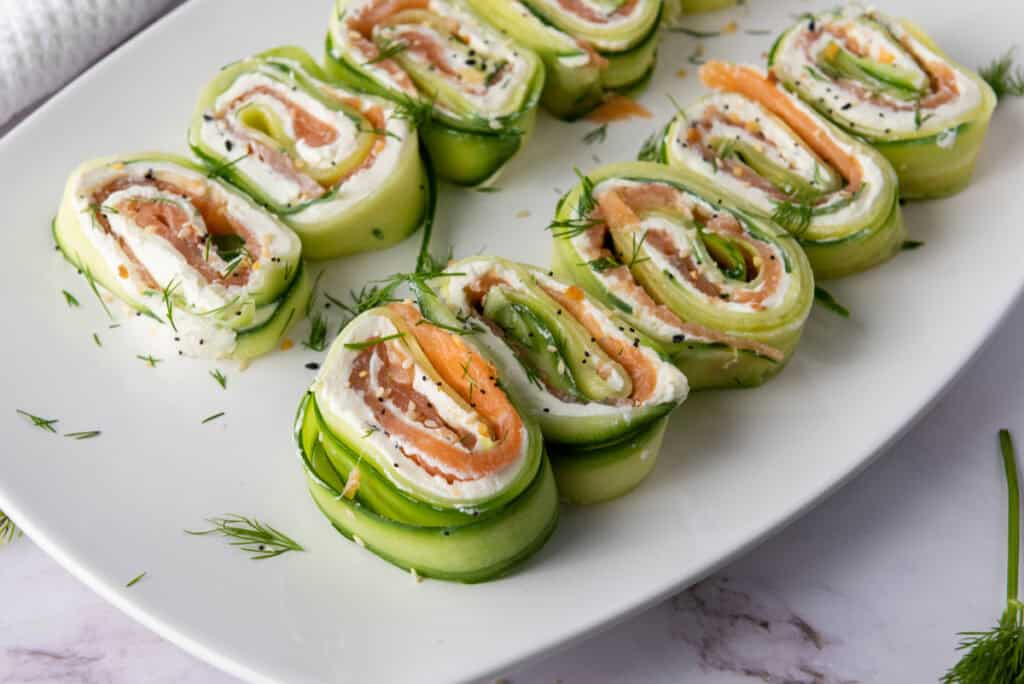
736,465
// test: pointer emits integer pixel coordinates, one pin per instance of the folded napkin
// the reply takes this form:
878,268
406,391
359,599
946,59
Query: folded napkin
46,43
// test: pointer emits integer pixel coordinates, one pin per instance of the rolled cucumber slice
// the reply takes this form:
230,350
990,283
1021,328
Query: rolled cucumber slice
583,372
775,156
586,54
471,91
414,450
646,239
340,167
887,82
155,230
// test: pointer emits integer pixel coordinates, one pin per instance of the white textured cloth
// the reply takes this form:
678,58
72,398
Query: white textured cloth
46,43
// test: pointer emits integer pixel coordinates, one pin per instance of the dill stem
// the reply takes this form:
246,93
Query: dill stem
1013,517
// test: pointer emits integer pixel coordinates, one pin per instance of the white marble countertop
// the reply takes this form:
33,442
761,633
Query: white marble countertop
872,586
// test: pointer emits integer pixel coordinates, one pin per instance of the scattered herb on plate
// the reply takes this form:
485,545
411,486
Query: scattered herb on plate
256,538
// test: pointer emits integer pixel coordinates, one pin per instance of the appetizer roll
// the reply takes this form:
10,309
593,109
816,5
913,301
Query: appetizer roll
472,91
724,294
414,450
190,251
886,81
600,394
588,46
341,168
774,155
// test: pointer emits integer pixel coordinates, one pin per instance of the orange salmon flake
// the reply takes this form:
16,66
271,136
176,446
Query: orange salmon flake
619,108
287,344
122,271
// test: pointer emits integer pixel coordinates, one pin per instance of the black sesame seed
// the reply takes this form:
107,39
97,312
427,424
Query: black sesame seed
312,365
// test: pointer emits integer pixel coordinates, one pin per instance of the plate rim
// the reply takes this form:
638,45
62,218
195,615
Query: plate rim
111,591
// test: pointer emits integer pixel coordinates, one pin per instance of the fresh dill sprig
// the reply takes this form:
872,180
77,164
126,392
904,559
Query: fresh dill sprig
825,298
166,294
389,50
1005,78
150,360
218,171
587,202
417,112
488,188
86,434
650,148
597,135
634,256
87,272
570,228
70,298
368,344
96,339
909,245
219,309
378,131
920,120
693,33
8,530
41,423
795,216
232,266
221,379
369,297
313,292
602,264
465,374
256,538
209,419
135,580
317,340
998,654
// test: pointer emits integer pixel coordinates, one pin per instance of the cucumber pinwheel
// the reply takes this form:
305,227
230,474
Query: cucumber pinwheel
588,46
224,275
471,90
776,156
339,167
886,81
413,450
725,294
601,396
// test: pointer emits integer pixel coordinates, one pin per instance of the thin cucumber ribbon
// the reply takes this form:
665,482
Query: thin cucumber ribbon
223,274
777,157
725,294
588,46
472,90
341,168
599,393
414,450
886,81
